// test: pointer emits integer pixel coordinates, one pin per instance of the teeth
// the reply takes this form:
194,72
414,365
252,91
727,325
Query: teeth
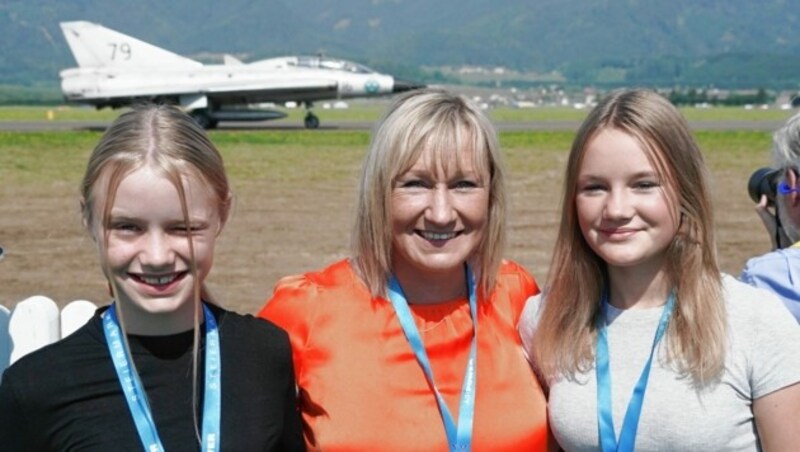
438,235
158,280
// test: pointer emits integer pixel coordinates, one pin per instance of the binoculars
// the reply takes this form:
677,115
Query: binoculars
764,181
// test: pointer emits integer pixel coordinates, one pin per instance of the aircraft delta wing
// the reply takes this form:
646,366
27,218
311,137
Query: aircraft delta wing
115,70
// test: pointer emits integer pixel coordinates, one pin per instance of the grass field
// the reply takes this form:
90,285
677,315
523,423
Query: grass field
373,109
295,192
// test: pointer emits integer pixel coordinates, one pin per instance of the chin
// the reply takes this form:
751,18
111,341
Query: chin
443,263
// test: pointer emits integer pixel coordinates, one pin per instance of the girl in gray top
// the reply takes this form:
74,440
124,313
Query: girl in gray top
641,340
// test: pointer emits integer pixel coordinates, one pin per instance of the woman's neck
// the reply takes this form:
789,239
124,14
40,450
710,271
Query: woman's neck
638,287
431,288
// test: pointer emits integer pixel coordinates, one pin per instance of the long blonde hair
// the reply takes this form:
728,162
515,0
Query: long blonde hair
170,141
446,124
563,342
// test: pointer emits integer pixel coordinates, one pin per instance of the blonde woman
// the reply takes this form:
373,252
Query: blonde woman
643,343
163,367
411,344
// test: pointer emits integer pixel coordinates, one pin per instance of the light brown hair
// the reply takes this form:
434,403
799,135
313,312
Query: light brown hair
563,342
166,139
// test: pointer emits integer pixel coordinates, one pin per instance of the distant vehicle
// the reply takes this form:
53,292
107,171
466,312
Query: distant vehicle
116,70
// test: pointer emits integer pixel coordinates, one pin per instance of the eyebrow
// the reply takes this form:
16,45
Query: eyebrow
118,216
638,175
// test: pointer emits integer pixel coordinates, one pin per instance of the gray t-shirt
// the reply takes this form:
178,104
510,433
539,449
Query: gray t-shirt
761,358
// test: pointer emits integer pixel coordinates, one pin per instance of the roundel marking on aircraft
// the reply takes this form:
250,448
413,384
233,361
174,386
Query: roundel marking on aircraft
371,86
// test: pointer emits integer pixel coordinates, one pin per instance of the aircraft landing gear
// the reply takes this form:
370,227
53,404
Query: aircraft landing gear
311,121
203,119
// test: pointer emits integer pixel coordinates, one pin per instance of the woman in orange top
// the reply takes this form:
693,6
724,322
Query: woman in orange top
412,343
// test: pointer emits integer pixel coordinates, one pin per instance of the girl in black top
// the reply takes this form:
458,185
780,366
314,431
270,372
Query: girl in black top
162,368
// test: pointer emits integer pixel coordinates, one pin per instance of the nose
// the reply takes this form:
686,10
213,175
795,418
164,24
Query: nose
440,210
618,205
401,86
155,250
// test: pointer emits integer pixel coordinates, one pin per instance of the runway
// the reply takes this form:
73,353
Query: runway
37,126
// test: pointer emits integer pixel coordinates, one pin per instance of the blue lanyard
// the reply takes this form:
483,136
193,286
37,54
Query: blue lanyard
459,437
134,392
605,421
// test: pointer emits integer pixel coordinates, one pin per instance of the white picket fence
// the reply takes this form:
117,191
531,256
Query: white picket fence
36,322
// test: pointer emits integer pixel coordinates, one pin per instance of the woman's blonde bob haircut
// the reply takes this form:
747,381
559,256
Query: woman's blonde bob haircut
565,335
453,129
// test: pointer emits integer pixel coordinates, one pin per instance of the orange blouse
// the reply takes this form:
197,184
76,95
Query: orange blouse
361,387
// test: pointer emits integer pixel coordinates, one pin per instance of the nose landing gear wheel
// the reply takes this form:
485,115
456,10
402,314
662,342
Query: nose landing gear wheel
203,119
311,121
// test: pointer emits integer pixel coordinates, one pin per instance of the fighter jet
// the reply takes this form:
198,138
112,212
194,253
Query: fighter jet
115,70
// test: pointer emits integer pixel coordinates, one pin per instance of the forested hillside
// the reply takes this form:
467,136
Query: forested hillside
732,43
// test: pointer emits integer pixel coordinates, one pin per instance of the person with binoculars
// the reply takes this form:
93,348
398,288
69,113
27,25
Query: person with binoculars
777,194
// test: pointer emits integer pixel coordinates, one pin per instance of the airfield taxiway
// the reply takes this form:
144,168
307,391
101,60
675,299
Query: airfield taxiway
33,126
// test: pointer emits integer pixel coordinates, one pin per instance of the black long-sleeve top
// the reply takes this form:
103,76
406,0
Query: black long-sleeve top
66,396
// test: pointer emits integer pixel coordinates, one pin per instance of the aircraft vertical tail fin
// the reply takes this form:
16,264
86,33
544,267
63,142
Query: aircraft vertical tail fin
94,45
230,60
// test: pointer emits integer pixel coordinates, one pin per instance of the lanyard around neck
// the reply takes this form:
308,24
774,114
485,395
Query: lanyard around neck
459,436
605,420
135,394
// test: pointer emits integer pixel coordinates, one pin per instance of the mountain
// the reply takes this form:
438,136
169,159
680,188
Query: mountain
657,42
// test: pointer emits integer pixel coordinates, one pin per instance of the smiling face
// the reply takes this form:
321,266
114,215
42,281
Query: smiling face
622,205
147,254
439,213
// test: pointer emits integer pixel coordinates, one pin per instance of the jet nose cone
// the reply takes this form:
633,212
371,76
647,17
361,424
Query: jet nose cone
401,86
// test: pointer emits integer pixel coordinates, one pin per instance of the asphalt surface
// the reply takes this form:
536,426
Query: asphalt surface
33,126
